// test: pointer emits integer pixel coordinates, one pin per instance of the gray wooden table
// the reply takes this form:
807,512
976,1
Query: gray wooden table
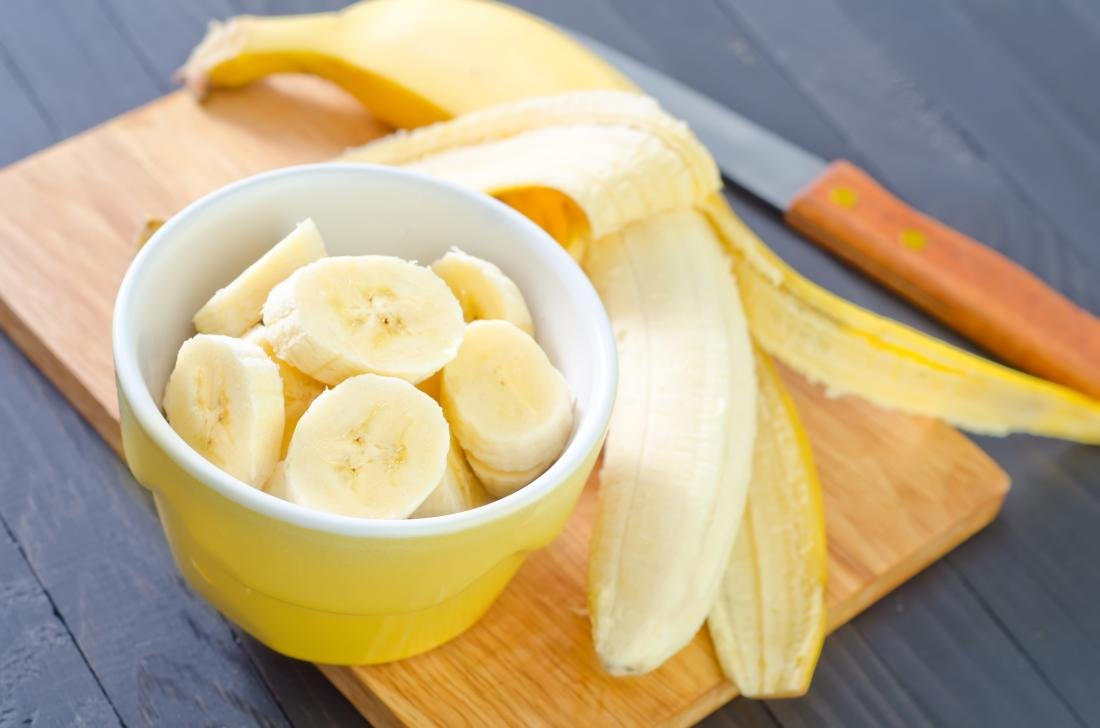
985,113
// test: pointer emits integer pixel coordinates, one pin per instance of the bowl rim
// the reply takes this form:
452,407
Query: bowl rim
589,434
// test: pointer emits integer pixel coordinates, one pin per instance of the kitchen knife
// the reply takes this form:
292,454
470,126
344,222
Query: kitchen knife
970,287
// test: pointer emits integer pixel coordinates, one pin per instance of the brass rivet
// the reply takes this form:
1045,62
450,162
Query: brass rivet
912,239
843,196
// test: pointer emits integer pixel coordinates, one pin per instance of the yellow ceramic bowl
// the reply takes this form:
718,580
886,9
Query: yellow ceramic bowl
330,588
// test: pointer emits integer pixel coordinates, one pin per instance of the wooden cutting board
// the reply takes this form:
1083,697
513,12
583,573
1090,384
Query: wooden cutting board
899,491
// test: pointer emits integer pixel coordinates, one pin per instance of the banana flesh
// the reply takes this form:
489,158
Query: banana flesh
276,484
349,315
853,351
676,461
768,622
506,403
483,291
459,490
299,389
225,399
372,446
235,309
410,61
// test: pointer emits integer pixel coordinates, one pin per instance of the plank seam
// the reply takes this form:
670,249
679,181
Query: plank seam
1012,640
36,103
235,634
60,618
143,60
887,670
1065,240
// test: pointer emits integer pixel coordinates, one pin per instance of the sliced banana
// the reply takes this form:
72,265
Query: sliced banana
225,399
500,483
372,446
509,407
276,484
299,389
458,491
482,289
233,310
342,316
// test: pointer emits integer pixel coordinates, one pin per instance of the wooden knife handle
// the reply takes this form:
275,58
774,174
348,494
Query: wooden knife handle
971,288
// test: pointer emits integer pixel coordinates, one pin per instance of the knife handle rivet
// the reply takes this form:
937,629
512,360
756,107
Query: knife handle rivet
843,196
912,239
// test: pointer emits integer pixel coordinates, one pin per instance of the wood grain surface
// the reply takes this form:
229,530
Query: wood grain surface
957,105
899,491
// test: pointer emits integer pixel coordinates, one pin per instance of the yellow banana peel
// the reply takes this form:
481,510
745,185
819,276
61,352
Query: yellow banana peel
853,351
411,62
615,157
768,622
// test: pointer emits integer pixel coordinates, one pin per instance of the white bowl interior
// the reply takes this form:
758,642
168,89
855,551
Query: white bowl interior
358,209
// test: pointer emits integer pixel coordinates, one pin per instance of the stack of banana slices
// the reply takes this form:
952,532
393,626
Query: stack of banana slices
319,379
709,505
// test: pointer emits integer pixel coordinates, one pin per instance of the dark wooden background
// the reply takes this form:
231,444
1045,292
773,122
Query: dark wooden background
985,113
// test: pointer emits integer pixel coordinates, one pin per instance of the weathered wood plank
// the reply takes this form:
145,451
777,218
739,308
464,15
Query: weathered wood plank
912,144
43,678
1038,147
80,69
1053,44
25,127
161,654
306,696
852,687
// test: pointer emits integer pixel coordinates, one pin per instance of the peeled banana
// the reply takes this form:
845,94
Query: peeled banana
372,446
299,389
768,622
483,291
225,399
506,403
676,461
235,309
411,61
349,315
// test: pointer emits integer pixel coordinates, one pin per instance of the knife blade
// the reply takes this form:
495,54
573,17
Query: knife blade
968,286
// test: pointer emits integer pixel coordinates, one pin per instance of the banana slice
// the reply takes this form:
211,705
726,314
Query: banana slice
509,407
372,446
299,389
235,309
500,483
225,399
276,484
458,491
375,314
483,291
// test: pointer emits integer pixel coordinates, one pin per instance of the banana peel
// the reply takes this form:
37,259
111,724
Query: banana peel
854,351
768,621
412,62
583,164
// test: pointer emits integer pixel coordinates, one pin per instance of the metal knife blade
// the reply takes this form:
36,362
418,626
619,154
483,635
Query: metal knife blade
762,162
